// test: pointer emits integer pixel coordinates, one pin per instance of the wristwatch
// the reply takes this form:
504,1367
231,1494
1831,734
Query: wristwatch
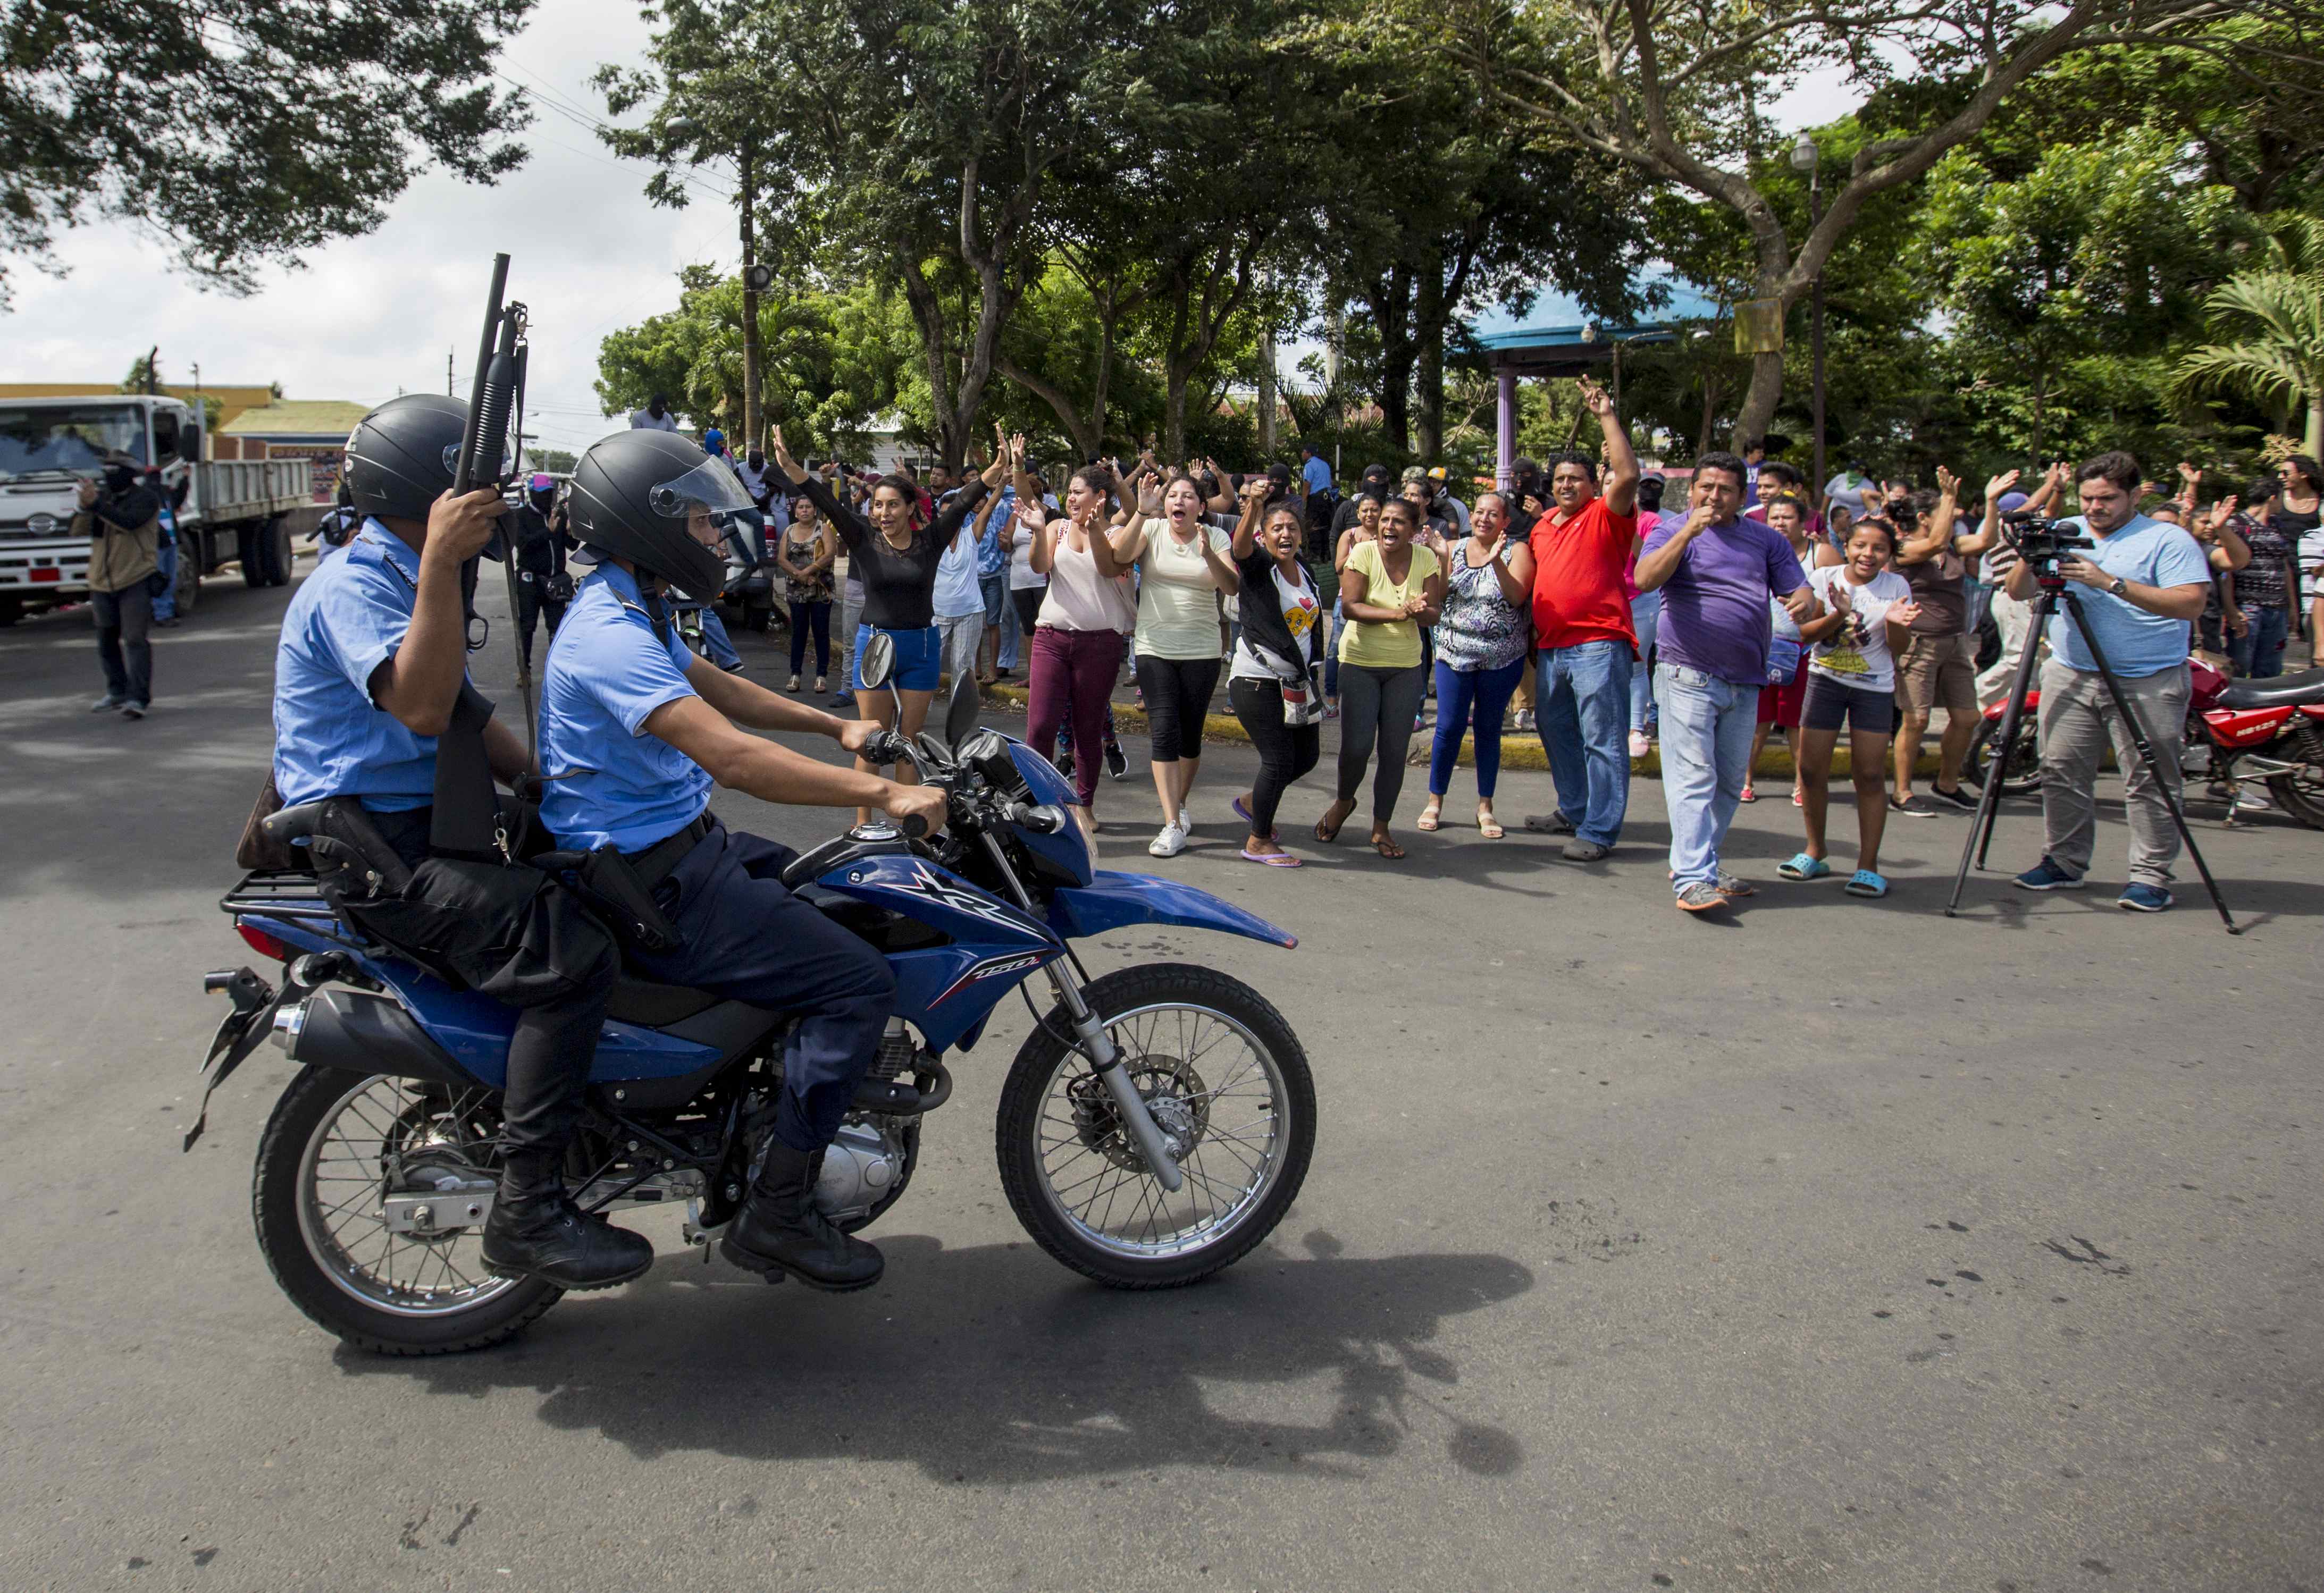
2119,587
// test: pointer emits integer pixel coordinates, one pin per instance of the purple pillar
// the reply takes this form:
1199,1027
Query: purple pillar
1505,436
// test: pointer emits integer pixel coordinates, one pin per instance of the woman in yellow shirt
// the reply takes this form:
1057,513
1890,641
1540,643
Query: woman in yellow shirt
1389,589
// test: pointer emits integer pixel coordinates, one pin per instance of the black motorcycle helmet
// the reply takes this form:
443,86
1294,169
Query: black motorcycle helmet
402,456
662,504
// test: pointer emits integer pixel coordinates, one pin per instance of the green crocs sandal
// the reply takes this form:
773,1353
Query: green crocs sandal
1804,866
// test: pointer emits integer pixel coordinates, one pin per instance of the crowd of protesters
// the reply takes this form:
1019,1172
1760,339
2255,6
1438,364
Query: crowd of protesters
1576,603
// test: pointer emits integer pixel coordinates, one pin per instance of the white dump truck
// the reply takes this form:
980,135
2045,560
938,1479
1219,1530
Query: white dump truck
235,511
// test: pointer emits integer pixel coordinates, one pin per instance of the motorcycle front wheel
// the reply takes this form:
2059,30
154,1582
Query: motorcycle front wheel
338,1146
1224,1078
2023,775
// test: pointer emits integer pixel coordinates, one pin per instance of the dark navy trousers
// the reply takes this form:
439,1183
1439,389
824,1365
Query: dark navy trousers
744,937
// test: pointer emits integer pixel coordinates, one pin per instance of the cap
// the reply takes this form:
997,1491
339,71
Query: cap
1413,473
2011,502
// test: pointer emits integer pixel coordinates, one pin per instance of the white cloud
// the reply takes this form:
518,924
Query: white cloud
370,314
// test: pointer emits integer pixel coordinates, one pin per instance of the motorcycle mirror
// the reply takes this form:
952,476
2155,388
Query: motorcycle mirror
960,713
878,660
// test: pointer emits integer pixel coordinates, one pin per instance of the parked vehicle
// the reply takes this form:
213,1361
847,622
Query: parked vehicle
1154,1127
235,511
2238,732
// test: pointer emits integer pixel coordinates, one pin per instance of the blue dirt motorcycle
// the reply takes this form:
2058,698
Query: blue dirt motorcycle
1154,1127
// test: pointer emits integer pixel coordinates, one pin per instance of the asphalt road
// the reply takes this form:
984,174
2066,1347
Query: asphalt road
1836,1246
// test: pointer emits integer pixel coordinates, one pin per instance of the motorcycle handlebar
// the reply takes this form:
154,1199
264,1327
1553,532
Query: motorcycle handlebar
916,828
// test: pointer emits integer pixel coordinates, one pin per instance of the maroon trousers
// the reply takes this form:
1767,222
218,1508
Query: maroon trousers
1071,680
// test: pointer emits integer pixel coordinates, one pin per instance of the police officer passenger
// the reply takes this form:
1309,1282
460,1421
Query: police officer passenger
634,731
373,656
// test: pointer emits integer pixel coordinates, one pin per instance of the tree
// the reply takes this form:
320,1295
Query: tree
241,130
1676,94
2098,251
2277,317
832,360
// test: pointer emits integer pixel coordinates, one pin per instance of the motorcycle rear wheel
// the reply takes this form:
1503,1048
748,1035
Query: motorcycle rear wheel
2300,795
334,1141
1200,1046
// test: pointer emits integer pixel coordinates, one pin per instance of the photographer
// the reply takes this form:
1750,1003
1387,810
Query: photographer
2143,584
123,523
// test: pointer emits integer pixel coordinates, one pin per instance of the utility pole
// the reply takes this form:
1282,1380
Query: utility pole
152,355
447,376
754,278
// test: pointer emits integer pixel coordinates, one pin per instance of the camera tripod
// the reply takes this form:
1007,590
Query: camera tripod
2053,588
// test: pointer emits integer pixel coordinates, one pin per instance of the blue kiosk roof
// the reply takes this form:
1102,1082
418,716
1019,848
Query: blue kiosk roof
1551,340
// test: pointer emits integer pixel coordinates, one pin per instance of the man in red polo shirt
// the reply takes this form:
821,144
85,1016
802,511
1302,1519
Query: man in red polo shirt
1582,626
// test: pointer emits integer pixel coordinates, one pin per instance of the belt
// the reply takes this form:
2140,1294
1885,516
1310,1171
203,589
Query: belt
653,865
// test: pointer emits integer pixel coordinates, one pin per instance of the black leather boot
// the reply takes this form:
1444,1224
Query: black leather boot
779,1228
536,1231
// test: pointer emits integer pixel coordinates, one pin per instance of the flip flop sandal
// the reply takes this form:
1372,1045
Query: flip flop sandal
1273,860
1242,812
1388,849
1865,882
1804,866
1428,822
1328,836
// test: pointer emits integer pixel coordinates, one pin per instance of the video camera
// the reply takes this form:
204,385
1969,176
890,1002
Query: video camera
2040,540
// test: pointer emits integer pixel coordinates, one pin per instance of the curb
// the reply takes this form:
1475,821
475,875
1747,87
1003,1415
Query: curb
1519,749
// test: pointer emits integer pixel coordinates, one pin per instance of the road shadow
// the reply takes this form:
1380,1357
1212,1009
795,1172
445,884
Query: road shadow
993,1364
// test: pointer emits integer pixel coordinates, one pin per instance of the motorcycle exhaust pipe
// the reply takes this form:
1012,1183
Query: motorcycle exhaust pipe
360,1034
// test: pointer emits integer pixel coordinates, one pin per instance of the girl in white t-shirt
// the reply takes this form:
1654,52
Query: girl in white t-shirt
1867,613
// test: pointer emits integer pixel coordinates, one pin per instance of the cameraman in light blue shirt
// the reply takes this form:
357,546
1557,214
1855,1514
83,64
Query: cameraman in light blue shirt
2142,586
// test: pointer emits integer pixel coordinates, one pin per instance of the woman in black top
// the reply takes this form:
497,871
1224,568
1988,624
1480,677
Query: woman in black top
2297,511
896,562
1272,680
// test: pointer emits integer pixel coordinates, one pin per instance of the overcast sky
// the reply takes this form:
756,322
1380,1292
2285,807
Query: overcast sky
369,316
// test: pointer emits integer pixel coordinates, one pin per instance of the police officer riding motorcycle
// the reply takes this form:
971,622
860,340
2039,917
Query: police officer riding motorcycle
635,730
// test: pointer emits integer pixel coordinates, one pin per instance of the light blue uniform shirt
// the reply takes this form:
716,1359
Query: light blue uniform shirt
610,781
330,739
1317,474
2155,553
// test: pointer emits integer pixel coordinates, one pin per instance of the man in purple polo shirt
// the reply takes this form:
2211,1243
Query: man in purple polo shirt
1716,572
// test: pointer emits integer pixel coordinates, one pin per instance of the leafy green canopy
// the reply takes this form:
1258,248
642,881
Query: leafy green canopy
241,130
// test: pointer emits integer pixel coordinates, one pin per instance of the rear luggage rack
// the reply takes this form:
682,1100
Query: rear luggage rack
290,894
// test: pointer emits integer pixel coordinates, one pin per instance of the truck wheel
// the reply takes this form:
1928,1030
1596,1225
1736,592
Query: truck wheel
280,552
189,575
247,546
12,608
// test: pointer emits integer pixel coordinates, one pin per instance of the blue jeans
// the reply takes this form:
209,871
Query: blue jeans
1459,692
165,601
1707,726
1646,620
999,617
1582,695
2258,653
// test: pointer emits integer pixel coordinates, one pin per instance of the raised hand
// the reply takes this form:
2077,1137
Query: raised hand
1150,497
2190,474
2000,484
1948,483
784,462
1254,488
1594,398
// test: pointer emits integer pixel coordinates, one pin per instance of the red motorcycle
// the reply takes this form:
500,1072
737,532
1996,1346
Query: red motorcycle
2238,732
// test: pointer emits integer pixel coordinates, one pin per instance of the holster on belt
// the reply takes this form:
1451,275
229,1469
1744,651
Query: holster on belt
621,887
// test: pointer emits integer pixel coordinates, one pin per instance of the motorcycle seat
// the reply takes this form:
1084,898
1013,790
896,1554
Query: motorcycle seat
651,1005
2307,687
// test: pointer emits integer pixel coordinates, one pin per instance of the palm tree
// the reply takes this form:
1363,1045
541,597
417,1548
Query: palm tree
2277,313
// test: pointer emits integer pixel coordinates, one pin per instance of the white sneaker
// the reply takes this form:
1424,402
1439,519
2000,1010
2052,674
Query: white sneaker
1169,840
1639,745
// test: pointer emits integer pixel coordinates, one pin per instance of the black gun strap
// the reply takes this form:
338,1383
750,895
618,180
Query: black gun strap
466,822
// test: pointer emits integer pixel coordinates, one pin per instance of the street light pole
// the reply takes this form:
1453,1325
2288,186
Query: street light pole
1804,158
